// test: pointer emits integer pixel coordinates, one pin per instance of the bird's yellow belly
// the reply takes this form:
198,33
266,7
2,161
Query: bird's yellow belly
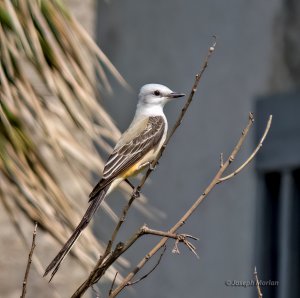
131,171
138,166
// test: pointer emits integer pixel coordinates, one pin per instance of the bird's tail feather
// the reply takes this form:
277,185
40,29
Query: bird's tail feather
94,205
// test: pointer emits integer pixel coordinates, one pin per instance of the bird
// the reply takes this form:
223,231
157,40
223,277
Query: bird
136,149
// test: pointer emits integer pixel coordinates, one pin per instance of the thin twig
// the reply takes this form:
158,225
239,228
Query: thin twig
184,109
108,248
179,237
259,293
113,283
189,245
120,249
250,158
146,275
24,288
135,194
181,222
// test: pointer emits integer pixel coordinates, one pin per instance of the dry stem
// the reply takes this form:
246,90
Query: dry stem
113,283
259,293
121,248
250,158
181,222
24,288
147,274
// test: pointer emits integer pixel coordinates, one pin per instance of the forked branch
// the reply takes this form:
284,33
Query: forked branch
185,217
250,158
121,248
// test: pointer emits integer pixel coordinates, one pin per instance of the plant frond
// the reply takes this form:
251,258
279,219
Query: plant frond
51,123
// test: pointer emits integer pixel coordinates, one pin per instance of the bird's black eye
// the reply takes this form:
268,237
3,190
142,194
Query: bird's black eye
156,93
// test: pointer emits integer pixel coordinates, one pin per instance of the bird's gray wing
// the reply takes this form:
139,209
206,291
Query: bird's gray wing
131,147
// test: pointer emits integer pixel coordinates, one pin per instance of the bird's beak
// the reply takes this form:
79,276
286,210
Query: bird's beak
176,95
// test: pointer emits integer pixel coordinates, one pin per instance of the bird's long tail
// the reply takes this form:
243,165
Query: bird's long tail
94,205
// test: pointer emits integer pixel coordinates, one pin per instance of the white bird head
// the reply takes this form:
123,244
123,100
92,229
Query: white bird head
153,97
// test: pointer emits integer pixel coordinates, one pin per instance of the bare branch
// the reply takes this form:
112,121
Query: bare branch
107,251
250,158
146,275
135,194
113,283
120,249
259,293
181,222
183,110
179,237
24,288
189,245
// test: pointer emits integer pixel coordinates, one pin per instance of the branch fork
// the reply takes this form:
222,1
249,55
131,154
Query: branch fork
190,246
253,154
178,238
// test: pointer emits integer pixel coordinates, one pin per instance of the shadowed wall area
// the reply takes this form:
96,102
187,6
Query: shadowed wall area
165,42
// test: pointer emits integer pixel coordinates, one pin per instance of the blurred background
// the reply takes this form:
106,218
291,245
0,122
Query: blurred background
251,220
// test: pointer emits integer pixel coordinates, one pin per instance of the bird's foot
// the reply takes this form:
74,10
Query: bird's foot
153,167
136,192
